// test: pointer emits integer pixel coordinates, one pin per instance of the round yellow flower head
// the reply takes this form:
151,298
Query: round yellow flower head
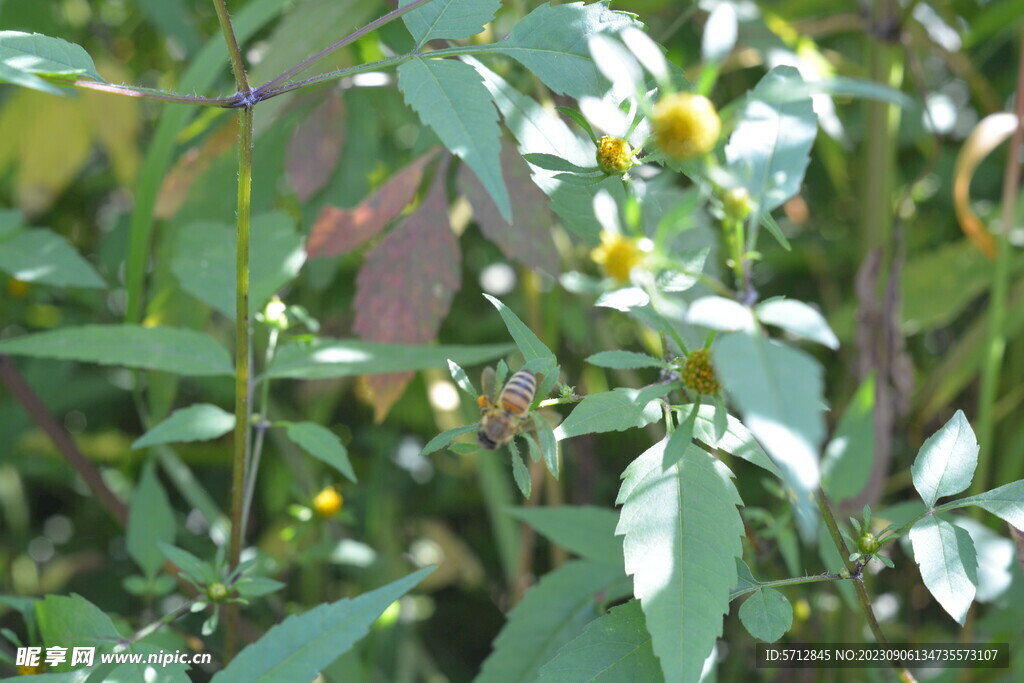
686,125
618,255
614,155
698,374
328,503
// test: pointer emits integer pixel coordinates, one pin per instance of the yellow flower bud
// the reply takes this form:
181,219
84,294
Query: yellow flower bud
328,503
686,125
614,155
698,374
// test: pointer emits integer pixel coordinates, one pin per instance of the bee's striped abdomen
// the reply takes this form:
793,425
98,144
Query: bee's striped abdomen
518,394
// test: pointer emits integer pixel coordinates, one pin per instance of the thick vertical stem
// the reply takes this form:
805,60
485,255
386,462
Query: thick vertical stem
995,342
243,342
234,53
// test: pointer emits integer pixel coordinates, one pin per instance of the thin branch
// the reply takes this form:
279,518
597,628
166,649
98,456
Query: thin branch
331,76
151,93
237,66
41,415
350,38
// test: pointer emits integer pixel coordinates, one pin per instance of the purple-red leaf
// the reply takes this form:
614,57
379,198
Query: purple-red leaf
405,287
315,145
528,238
339,231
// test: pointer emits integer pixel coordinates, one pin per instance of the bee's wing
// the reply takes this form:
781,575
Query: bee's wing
489,384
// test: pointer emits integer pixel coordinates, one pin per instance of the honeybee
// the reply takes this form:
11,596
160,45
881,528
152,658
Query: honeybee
504,413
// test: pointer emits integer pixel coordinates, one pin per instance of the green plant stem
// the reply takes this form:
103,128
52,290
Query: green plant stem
347,40
234,53
858,584
995,338
795,581
253,466
243,343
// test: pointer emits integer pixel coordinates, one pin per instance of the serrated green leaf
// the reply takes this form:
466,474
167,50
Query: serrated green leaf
520,472
770,147
581,180
529,344
613,648
451,19
625,360
175,350
26,80
449,97
948,563
446,437
34,53
551,162
682,537
550,615
200,422
300,646
797,318
779,391
255,586
736,439
612,411
532,447
946,462
40,255
325,358
203,260
462,379
1005,502
582,530
551,41
548,443
150,522
846,462
767,615
73,619
537,130
322,444
464,448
